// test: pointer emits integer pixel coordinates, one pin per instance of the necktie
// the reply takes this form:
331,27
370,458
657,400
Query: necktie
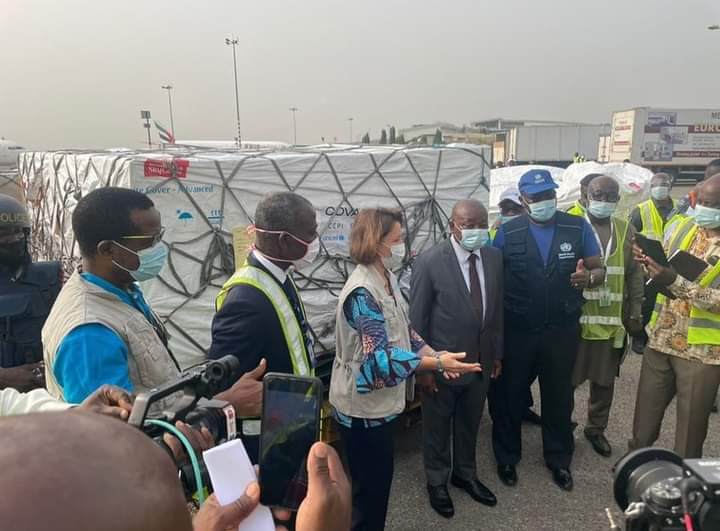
294,299
475,287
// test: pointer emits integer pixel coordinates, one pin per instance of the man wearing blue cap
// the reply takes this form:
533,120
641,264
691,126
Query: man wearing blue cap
549,258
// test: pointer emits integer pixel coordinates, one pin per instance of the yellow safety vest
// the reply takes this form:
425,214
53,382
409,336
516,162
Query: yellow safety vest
703,326
577,209
652,222
259,279
600,323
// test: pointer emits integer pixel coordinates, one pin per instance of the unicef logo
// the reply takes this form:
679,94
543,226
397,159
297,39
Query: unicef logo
565,247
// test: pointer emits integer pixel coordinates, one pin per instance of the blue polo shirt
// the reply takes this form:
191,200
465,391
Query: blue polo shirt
93,354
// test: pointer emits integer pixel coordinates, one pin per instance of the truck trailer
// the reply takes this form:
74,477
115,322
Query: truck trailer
680,142
550,145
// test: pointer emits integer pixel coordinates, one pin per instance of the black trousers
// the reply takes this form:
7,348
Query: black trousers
452,415
552,353
370,456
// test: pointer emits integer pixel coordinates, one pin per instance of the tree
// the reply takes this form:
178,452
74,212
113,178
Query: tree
383,137
391,140
366,138
437,139
401,139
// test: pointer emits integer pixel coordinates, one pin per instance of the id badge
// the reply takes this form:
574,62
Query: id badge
604,297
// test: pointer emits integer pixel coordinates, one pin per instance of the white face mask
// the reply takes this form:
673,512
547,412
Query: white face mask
397,253
313,249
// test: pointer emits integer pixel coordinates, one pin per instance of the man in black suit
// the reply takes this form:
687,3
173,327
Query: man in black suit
259,311
456,300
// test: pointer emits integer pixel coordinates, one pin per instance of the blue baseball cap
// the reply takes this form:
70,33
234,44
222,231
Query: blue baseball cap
536,181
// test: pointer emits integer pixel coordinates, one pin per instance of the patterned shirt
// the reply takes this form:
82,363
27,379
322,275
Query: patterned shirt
670,333
383,365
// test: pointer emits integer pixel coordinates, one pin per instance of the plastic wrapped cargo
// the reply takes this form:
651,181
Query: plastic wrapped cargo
634,182
205,197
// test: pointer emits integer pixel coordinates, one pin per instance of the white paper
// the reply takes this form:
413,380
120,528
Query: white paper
231,472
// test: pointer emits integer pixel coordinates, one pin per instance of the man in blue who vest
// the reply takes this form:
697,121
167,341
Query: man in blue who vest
549,258
259,311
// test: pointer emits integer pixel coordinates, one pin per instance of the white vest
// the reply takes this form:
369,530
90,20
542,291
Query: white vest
344,397
81,302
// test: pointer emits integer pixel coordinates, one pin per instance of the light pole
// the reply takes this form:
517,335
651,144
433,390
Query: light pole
234,43
293,110
350,121
145,115
172,120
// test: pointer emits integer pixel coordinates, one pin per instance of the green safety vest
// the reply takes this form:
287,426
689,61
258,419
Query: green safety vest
577,209
600,323
652,222
259,279
703,326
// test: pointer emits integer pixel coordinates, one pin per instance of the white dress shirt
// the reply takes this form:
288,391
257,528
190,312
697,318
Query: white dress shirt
13,402
279,273
463,258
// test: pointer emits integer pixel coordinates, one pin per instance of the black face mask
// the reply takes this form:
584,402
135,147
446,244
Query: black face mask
13,254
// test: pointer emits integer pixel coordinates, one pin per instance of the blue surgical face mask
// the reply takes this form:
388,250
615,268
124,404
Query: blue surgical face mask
706,217
473,239
151,261
542,211
660,192
505,219
601,209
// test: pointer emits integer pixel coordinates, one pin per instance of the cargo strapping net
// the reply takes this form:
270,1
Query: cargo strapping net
207,199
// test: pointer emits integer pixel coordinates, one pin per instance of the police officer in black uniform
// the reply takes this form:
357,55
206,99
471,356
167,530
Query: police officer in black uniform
549,257
27,292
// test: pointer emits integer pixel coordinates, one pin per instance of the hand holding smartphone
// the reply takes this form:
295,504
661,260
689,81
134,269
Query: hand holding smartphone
290,426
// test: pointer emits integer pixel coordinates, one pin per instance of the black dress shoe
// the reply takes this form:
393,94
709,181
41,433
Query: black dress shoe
477,491
562,478
507,475
599,443
440,500
531,417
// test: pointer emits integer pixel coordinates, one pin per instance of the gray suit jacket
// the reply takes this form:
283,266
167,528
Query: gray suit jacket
441,310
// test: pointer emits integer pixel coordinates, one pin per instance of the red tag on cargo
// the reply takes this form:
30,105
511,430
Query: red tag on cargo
163,169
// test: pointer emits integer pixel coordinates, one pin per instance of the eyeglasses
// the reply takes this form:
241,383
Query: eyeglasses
156,238
610,197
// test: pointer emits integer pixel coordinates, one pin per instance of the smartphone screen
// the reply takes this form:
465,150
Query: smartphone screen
290,426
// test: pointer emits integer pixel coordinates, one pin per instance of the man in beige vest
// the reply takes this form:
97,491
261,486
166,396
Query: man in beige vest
101,330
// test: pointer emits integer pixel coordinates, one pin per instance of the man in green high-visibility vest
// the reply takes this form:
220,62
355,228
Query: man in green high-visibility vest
649,219
682,358
608,310
260,314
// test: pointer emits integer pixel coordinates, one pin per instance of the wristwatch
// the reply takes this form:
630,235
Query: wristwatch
592,279
439,367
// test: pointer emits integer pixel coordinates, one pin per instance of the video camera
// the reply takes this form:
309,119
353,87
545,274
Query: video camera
191,402
660,491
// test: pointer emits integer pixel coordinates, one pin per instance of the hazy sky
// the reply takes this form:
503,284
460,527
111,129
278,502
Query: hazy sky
75,73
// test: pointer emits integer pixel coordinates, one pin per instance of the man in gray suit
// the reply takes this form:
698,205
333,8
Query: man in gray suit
456,300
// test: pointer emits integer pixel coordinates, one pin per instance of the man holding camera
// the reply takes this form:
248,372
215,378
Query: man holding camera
682,357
